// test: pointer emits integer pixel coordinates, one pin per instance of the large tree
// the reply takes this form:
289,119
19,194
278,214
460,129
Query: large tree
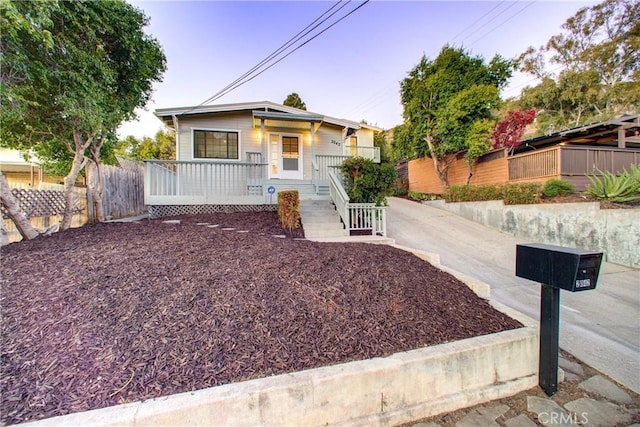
162,147
443,100
294,100
72,72
596,59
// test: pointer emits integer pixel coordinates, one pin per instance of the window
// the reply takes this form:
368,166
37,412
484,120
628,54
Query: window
213,144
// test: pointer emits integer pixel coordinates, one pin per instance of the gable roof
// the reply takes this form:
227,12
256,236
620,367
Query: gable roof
166,114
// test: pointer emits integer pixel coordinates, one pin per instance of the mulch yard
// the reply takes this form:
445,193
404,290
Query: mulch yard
120,312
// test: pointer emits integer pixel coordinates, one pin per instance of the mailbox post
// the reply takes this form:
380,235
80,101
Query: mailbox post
555,268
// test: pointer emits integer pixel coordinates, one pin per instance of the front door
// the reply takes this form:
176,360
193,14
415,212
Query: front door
285,156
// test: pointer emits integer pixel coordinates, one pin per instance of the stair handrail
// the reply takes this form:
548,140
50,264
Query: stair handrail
339,197
368,214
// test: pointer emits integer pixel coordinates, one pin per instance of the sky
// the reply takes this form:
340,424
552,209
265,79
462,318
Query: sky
351,71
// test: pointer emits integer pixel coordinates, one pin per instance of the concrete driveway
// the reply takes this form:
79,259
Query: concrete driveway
599,327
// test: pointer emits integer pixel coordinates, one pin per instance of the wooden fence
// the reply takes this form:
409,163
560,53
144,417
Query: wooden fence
122,196
122,190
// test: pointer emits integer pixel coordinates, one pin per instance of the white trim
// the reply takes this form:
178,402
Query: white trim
222,108
208,159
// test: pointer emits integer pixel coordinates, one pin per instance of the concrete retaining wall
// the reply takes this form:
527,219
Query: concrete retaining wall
616,232
383,391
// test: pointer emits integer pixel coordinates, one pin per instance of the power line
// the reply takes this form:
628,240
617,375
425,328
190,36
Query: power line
253,73
282,48
477,20
503,22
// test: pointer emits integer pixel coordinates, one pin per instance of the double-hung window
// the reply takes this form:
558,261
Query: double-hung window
214,144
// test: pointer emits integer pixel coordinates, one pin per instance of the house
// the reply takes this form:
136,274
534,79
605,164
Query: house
239,156
570,155
22,169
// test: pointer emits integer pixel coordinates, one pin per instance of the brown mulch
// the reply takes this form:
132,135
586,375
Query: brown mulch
113,313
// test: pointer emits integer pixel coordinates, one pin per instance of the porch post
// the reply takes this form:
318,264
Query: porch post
262,140
263,150
313,141
622,143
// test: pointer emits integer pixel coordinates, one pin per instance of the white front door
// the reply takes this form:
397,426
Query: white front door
285,156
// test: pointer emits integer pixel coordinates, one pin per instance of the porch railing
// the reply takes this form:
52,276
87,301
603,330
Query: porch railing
570,160
356,216
321,166
178,182
372,153
537,164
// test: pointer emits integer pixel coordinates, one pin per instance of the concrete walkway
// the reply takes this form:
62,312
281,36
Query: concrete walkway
599,327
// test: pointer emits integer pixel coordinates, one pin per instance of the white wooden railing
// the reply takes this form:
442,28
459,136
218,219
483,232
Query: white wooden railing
175,182
356,216
372,153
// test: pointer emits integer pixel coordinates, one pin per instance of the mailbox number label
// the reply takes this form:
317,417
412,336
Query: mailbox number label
583,283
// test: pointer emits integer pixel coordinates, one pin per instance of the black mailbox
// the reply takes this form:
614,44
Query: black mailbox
555,268
565,268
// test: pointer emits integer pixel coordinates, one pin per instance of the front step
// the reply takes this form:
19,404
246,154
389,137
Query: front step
320,220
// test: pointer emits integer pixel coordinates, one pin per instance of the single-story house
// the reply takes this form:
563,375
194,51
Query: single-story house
242,154
570,155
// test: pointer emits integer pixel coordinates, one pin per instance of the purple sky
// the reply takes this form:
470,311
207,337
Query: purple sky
351,71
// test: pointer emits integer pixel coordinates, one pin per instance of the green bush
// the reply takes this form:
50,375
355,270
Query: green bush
616,188
289,209
417,196
366,181
511,194
521,194
557,187
401,188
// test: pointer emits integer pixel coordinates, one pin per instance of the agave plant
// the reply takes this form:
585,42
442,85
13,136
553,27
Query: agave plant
616,188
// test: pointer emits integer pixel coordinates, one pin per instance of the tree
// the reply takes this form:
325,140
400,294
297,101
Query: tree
508,132
442,100
598,52
72,72
162,147
380,141
294,100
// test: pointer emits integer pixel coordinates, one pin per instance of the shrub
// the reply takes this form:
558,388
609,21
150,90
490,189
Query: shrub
521,194
366,181
417,196
289,209
511,194
557,187
401,188
621,188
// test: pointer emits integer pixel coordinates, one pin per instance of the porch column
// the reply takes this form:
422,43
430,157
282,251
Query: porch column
262,140
622,143
313,141
263,150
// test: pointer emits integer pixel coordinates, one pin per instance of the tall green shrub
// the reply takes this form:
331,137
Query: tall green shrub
366,181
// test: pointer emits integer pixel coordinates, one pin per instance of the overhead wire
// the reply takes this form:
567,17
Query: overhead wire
256,71
283,47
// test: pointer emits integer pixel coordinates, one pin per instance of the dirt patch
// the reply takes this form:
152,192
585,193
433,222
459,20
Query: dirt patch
114,313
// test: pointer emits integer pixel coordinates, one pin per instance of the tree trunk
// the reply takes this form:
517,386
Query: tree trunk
442,170
94,187
14,211
78,163
470,163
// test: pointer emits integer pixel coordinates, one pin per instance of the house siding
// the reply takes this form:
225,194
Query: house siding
242,122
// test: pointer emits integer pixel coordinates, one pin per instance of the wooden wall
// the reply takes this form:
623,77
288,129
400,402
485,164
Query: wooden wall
492,169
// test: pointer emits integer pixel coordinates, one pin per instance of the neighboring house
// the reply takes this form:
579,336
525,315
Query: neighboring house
21,172
238,156
570,155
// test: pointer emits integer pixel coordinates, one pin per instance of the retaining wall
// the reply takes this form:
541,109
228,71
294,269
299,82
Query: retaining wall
616,232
